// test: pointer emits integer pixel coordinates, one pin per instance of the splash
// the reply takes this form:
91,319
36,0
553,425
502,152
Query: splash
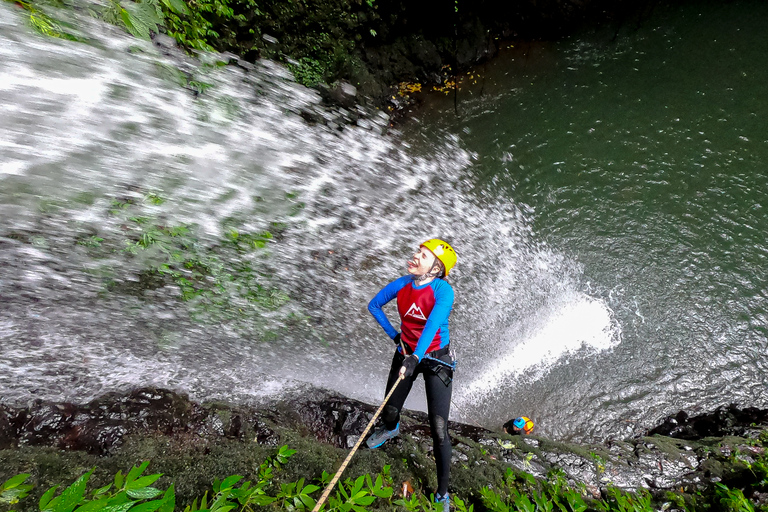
180,223
583,326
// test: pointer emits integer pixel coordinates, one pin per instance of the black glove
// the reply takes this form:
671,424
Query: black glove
396,339
409,365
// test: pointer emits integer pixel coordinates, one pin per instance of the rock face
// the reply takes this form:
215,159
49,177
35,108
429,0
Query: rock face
723,421
100,426
679,453
375,44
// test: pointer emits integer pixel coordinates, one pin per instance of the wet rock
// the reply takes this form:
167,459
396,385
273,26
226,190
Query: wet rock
7,428
164,41
47,422
100,426
344,94
726,420
116,420
530,442
264,435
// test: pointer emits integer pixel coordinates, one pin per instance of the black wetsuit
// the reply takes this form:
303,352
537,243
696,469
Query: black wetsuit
439,386
424,311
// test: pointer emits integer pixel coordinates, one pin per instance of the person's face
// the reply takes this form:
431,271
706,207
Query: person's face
422,262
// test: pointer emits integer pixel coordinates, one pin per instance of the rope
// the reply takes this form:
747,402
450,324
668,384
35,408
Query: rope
343,466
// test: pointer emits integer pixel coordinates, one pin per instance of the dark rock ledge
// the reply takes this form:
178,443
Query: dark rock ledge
192,443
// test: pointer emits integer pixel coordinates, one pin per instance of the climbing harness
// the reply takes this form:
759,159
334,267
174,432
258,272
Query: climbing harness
343,466
452,366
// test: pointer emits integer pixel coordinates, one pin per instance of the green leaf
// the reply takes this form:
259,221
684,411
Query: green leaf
143,481
135,472
149,506
384,492
14,481
230,481
135,25
123,507
126,17
365,500
72,495
178,6
46,498
12,496
308,501
221,500
145,493
262,500
119,480
358,485
309,489
92,505
102,490
118,499
343,491
169,500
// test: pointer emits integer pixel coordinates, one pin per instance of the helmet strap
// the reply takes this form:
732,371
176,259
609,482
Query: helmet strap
422,277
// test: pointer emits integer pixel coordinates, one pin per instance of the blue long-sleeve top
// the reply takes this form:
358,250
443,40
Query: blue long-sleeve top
424,311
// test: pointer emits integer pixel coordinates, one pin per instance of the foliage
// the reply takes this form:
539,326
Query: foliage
317,44
732,500
14,489
43,23
220,281
525,493
197,26
136,493
309,71
140,18
626,502
191,22
517,492
131,491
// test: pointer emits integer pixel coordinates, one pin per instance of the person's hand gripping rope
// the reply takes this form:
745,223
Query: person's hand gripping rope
409,365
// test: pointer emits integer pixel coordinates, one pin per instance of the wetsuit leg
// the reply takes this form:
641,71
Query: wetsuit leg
391,415
438,408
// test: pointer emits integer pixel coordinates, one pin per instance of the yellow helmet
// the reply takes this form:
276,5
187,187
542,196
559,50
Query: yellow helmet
443,252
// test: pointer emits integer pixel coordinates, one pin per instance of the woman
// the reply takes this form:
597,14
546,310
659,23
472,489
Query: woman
424,301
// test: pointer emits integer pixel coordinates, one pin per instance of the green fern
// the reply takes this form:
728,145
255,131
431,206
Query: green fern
43,23
140,18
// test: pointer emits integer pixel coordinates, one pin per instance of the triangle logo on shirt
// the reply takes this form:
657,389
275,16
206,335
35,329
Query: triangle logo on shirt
416,312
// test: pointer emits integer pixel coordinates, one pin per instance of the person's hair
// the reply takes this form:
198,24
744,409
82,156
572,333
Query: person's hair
439,264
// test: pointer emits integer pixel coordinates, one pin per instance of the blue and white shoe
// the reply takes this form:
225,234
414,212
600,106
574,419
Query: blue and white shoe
445,500
381,436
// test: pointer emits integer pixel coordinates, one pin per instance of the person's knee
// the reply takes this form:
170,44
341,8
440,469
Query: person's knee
390,414
439,429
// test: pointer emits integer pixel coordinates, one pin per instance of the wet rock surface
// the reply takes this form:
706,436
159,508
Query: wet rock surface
728,420
679,453
100,426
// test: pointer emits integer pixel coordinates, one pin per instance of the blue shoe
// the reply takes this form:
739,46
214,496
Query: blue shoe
381,436
445,500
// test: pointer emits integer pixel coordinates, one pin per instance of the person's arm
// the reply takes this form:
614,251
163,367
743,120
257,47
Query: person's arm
386,294
438,317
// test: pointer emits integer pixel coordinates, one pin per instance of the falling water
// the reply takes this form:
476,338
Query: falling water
215,229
